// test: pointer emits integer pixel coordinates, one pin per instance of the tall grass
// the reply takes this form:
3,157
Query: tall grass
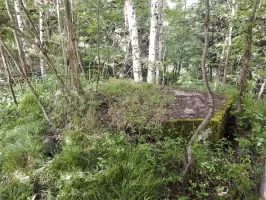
94,159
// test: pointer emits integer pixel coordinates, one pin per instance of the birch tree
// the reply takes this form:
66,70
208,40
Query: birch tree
229,38
262,88
160,43
40,3
153,40
127,45
21,25
131,19
21,65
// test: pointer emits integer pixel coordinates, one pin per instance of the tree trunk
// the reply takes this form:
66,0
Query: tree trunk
9,78
220,65
202,126
20,22
24,76
159,66
98,45
127,45
58,17
42,37
262,191
134,39
229,39
61,33
22,65
73,62
262,88
246,57
155,4
44,53
21,54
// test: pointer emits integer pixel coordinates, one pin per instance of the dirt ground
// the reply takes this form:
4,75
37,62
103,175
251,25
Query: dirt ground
190,104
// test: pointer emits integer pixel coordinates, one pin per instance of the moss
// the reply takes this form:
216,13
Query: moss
185,127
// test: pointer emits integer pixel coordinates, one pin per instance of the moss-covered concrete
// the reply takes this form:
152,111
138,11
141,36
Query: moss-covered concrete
186,127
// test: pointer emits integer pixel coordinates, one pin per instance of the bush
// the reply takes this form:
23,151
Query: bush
218,175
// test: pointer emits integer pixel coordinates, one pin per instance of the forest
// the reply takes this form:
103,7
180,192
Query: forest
132,99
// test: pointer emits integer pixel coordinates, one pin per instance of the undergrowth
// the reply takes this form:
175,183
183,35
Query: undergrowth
91,154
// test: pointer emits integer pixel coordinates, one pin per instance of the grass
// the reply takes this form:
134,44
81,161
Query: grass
95,157
108,168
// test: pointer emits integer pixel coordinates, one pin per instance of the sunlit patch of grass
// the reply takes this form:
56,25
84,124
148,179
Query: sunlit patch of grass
24,153
107,169
16,191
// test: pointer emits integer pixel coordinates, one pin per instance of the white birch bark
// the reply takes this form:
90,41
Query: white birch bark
42,36
220,66
58,16
229,38
127,46
153,41
134,39
18,42
159,66
262,88
61,33
22,64
21,26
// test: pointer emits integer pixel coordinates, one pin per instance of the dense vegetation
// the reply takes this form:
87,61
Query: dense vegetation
87,157
78,121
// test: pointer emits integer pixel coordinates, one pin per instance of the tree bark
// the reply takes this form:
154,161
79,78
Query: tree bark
246,57
127,45
22,65
61,33
42,51
42,36
21,25
18,43
229,39
202,126
134,39
9,78
262,88
98,44
159,66
220,65
73,61
153,40
24,76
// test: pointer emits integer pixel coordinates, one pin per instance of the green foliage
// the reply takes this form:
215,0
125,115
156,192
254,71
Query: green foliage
74,111
183,39
16,191
20,147
253,120
29,108
170,154
89,162
92,163
108,169
219,176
